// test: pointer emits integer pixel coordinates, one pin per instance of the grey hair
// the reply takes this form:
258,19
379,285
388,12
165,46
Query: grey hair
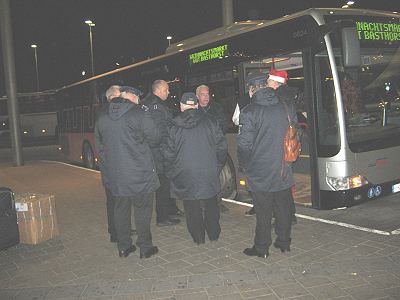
203,86
112,92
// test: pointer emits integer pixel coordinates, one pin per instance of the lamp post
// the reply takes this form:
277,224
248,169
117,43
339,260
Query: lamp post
169,38
91,24
36,65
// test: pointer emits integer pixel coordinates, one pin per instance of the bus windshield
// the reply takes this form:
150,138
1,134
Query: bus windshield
371,99
371,92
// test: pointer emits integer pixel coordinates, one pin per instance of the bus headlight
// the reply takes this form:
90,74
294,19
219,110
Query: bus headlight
346,183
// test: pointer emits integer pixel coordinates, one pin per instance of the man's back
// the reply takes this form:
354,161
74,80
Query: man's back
263,125
196,152
123,134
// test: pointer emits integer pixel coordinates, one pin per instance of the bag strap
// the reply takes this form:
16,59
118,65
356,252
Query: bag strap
283,164
287,112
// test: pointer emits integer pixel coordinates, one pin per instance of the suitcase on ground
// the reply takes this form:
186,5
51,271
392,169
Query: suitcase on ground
9,234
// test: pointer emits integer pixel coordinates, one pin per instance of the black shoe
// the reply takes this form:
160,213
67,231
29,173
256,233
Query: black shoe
223,208
294,220
125,253
250,212
199,242
151,251
253,252
282,247
178,213
169,222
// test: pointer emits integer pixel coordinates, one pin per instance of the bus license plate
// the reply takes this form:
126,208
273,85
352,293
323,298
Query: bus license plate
396,188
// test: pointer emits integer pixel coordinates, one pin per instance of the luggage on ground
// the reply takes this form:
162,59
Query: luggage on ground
9,234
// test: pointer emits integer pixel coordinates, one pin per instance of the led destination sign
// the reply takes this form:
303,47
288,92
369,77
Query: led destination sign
208,54
375,31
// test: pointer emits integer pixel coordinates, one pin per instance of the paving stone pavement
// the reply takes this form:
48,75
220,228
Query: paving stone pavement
325,261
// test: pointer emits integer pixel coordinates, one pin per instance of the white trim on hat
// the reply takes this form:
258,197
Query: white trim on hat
277,78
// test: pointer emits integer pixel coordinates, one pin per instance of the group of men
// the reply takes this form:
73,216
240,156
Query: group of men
143,149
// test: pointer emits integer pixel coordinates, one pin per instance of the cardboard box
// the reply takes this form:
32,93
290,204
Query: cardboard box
37,219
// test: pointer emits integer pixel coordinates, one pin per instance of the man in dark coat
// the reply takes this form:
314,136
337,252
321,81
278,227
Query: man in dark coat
211,107
195,154
214,109
289,96
262,127
123,135
111,93
161,114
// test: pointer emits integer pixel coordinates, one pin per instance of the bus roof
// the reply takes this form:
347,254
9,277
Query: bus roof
238,28
246,26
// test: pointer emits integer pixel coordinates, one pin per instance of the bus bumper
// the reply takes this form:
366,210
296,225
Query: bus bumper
337,199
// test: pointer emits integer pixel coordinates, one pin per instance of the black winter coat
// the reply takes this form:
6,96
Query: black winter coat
162,116
217,111
262,127
195,153
124,133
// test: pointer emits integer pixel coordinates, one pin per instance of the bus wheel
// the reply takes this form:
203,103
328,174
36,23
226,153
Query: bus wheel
88,156
227,179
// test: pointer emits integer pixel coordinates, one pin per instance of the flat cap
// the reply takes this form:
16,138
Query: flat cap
189,99
130,89
256,78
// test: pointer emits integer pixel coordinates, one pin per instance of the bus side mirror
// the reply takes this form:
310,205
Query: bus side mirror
350,47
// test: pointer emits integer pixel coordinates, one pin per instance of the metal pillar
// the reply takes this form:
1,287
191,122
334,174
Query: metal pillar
10,81
227,12
37,70
91,48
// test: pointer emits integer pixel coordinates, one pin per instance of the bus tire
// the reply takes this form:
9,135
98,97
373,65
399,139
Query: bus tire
88,156
227,179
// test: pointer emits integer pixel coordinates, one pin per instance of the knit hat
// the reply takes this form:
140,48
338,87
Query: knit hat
279,76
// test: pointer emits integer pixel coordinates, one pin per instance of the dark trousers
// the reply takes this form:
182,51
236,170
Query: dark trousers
165,205
266,203
202,216
110,213
143,209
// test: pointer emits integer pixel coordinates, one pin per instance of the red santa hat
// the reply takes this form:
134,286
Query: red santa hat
279,76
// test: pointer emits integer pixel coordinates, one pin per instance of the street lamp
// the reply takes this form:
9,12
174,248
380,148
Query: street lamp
169,38
91,24
36,64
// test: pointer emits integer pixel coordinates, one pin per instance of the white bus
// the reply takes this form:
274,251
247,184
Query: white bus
345,66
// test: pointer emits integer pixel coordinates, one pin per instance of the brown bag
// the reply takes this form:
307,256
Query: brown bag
291,142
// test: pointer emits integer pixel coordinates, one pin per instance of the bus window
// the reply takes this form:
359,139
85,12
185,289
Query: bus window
78,117
86,118
69,119
371,100
64,120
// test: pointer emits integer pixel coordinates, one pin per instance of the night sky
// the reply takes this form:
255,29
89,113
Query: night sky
125,31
